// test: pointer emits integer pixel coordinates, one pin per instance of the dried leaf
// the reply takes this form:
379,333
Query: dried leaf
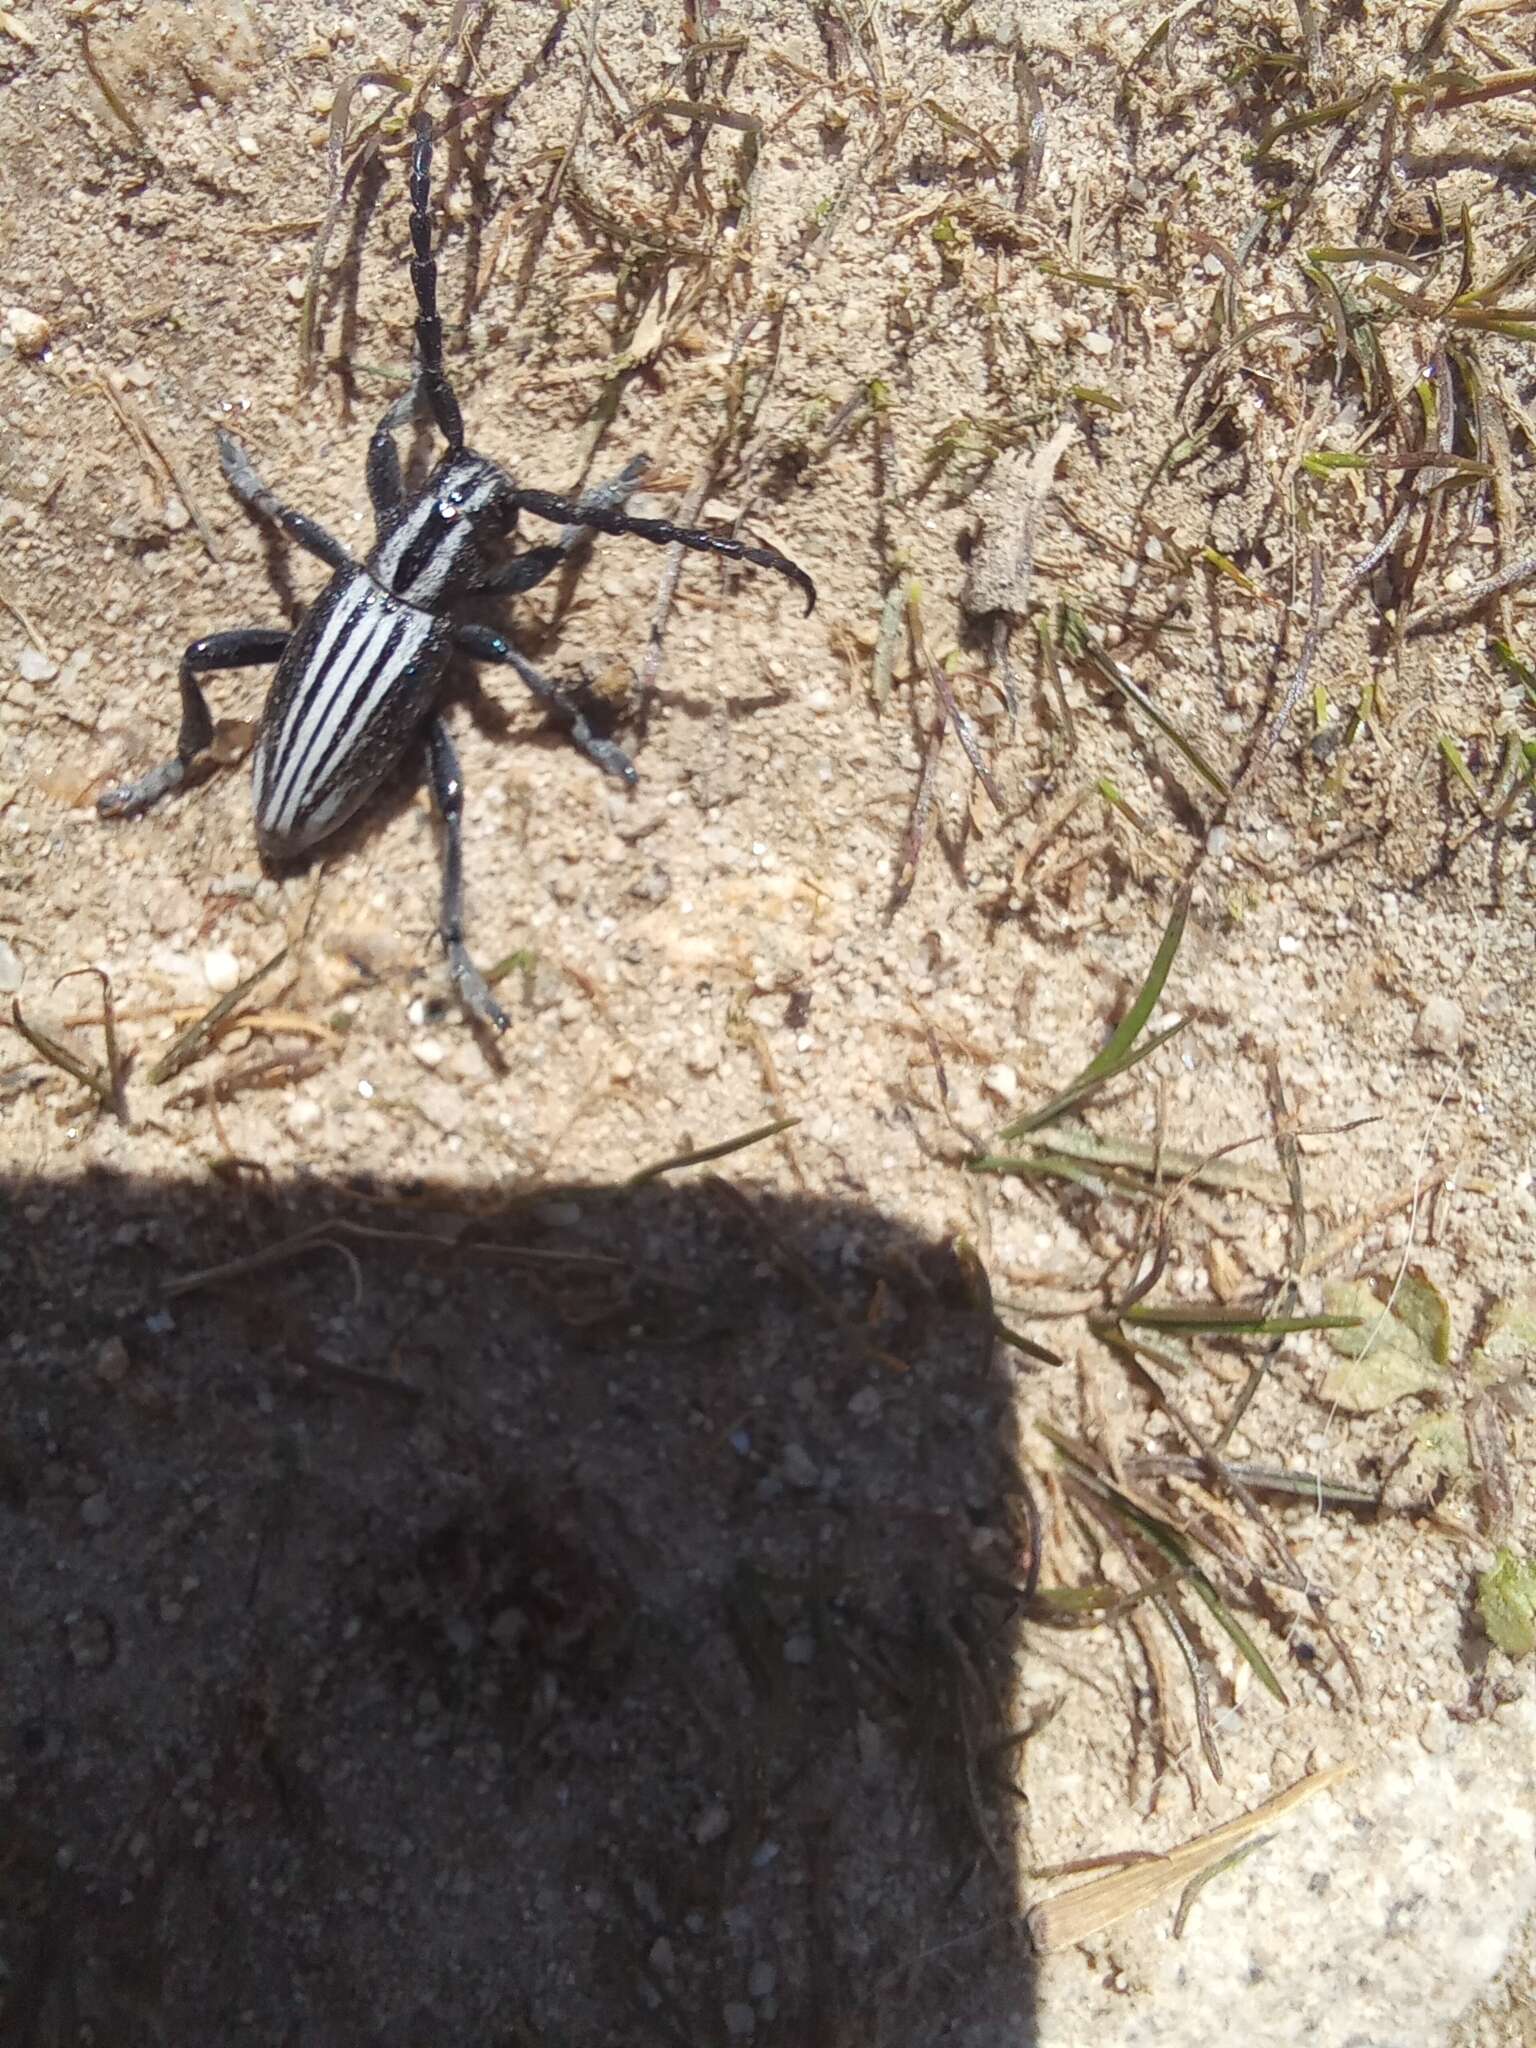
1420,1304
1389,1356
1506,1600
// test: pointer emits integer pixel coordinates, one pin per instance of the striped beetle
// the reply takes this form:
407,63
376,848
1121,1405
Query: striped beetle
362,676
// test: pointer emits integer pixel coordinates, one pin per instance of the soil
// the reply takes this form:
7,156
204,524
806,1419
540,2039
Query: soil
460,1588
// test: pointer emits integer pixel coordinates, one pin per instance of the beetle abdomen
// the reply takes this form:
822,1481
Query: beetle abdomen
350,693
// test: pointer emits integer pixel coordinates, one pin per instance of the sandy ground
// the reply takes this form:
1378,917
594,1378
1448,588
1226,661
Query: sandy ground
530,1609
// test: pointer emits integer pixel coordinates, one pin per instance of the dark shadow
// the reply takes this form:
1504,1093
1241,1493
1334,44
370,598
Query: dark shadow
579,1619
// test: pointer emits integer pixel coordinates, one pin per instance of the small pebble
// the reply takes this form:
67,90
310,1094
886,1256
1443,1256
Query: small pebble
703,1057
303,1113
711,1825
26,332
10,968
430,1051
96,1512
1002,1082
1440,1027
799,1468
33,666
221,970
112,1361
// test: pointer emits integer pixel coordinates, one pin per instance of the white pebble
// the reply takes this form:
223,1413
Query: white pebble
1002,1082
112,1361
26,332
703,1057
430,1051
711,1825
35,667
221,970
303,1114
1440,1027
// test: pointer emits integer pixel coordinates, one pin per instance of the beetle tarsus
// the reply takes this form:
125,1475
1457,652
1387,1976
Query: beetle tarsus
473,989
247,647
132,799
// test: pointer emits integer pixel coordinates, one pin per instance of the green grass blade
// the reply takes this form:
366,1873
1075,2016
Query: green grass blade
1165,1539
1079,642
1211,1319
1119,1054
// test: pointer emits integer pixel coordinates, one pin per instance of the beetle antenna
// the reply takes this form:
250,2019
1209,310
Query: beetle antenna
429,327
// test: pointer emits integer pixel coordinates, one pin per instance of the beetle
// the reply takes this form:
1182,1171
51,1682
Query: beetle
361,678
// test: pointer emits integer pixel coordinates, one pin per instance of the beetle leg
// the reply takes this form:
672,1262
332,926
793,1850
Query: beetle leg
522,572
246,648
534,564
386,482
448,793
248,487
481,643
589,512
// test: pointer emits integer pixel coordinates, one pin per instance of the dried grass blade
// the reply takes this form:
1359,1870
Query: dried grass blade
1080,642
711,112
335,152
1170,1543
190,1043
701,1154
1091,1908
61,1057
1308,1486
1169,1162
116,1065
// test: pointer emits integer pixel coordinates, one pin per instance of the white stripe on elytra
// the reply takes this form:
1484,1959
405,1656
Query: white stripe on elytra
393,659
277,756
329,674
330,726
